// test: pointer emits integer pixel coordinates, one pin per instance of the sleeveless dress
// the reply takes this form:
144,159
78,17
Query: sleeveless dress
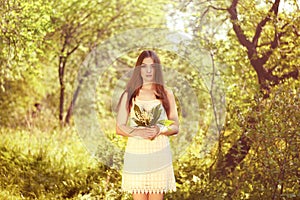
148,163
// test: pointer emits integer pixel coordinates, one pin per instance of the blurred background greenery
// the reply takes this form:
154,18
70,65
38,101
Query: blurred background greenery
256,154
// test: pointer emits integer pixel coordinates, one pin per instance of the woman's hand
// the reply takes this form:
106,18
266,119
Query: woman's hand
155,130
146,132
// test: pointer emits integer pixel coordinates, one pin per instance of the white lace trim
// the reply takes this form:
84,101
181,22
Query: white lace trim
161,181
150,191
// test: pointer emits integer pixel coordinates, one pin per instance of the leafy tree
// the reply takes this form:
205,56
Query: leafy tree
23,28
268,42
41,40
257,42
262,39
82,25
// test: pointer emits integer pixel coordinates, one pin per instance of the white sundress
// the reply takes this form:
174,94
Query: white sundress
148,163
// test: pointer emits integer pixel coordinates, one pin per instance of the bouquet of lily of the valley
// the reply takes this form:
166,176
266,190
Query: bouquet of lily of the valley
149,118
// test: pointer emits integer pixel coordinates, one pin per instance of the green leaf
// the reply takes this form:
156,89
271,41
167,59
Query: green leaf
137,111
166,122
139,122
156,111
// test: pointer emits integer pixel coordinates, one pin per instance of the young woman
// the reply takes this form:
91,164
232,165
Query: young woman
148,171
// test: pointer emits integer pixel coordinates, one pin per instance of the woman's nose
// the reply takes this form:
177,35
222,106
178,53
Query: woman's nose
149,68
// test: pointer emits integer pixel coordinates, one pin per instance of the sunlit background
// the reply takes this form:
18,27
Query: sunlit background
232,65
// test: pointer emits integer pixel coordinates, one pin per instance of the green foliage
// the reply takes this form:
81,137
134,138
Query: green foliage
23,28
40,161
269,170
52,165
34,36
149,118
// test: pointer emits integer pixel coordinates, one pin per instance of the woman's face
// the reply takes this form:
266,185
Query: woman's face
147,70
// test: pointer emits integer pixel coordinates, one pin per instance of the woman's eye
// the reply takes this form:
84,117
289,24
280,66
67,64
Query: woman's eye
151,65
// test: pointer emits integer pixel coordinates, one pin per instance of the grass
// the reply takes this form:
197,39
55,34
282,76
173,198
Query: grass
52,165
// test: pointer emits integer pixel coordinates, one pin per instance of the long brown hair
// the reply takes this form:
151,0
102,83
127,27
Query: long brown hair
136,82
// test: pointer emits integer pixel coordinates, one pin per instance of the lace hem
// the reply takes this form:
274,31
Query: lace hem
150,191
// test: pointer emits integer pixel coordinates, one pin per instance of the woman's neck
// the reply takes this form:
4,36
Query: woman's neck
148,86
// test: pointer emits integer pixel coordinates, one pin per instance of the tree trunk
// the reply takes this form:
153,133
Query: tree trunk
61,71
233,157
239,150
71,106
75,96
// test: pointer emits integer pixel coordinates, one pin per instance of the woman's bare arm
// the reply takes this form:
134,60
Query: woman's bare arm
122,117
173,115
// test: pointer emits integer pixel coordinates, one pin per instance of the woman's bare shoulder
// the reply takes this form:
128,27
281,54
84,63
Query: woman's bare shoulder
169,92
124,95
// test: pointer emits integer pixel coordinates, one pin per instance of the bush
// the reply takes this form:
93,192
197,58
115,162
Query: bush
39,165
